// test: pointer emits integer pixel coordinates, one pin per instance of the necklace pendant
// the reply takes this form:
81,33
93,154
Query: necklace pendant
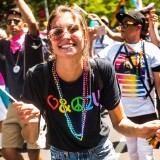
16,69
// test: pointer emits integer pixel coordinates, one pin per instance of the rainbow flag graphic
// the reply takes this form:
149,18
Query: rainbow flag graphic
4,90
2,83
120,8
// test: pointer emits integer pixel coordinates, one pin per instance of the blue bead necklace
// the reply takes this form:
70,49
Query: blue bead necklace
78,136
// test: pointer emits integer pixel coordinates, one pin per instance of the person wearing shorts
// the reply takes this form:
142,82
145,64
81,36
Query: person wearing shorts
21,52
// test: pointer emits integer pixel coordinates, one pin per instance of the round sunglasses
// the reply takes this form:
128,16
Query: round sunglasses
57,33
9,21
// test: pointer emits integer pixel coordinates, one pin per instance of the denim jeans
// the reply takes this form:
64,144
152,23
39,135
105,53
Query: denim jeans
104,151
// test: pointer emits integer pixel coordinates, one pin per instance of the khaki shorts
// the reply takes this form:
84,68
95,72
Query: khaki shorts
11,132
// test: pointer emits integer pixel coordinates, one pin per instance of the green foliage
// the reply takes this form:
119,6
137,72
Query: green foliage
100,7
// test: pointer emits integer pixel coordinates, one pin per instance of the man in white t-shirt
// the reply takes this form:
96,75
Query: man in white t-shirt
137,65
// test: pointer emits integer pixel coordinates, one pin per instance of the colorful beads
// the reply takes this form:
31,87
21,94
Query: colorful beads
78,136
139,59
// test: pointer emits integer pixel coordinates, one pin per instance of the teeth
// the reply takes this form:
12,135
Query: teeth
67,46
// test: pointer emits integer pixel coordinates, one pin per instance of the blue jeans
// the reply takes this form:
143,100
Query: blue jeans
104,151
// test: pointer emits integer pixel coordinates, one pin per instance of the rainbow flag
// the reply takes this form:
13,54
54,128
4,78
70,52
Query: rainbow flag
120,8
4,93
137,4
2,83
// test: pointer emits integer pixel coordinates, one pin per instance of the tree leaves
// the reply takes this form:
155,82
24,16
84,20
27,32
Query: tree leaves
100,7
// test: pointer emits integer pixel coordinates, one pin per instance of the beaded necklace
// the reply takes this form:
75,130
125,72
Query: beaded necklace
139,58
78,136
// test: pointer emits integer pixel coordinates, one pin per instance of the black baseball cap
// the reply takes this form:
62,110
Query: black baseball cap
136,15
15,11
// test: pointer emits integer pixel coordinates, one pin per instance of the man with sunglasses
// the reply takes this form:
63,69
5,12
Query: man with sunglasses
137,65
21,52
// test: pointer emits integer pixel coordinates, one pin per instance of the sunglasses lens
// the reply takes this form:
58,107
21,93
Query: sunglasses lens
16,21
8,22
58,33
124,25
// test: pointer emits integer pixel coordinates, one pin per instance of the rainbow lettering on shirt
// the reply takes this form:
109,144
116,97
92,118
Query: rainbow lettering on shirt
75,104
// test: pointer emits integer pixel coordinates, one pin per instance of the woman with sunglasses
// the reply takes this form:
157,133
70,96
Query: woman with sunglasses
65,90
21,51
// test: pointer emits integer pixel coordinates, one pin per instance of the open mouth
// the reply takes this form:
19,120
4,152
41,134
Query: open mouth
67,46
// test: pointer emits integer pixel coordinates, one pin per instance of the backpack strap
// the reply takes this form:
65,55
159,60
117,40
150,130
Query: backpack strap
95,70
148,74
118,52
46,75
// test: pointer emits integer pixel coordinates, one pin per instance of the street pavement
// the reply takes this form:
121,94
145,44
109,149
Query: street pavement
118,143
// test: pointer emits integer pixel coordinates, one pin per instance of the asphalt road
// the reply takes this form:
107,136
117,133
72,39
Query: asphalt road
118,142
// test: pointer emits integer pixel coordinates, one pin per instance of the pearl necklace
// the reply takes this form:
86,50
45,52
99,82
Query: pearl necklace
139,56
78,136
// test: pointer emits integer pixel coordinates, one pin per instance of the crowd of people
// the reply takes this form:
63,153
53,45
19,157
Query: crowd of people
22,51
75,77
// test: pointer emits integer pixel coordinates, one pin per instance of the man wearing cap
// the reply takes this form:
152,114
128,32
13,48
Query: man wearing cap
21,52
137,65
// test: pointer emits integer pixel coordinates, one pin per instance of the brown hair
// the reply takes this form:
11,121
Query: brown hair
77,16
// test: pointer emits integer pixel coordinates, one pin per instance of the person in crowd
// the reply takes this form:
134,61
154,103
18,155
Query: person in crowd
3,34
153,29
116,36
155,39
19,53
103,41
66,91
137,79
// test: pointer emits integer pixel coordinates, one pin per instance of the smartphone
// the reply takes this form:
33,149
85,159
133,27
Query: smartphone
101,30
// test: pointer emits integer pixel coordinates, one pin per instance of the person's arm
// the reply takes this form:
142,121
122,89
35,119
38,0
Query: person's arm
113,35
30,117
126,127
28,17
153,29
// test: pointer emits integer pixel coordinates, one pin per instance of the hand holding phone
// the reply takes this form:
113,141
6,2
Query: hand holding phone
101,30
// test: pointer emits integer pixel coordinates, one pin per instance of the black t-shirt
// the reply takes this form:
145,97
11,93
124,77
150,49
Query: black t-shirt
28,57
40,89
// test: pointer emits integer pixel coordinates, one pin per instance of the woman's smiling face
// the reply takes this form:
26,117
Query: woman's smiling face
66,35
